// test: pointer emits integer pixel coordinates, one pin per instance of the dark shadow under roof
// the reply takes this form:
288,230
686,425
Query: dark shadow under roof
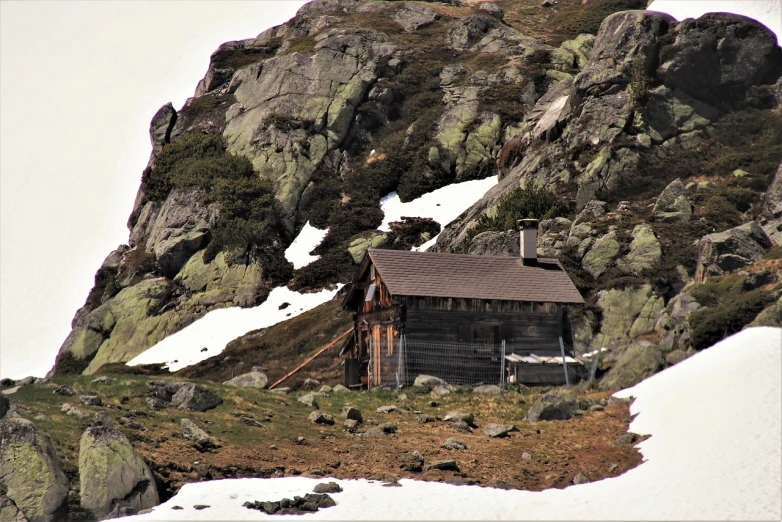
428,274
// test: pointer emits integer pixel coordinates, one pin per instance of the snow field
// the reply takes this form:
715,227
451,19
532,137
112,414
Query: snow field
298,252
219,327
442,205
715,453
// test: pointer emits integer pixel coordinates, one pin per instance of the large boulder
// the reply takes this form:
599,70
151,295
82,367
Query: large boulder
602,255
730,250
639,361
160,127
496,244
31,472
253,379
717,57
194,397
673,205
645,251
412,16
428,381
554,405
112,475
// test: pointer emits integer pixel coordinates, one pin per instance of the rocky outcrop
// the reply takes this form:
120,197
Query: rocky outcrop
112,475
730,250
554,405
673,205
717,57
639,361
31,473
291,110
253,379
771,219
181,229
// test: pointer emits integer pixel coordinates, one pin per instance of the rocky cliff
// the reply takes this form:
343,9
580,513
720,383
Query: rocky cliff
652,147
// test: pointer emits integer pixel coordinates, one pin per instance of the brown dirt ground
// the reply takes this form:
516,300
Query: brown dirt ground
559,449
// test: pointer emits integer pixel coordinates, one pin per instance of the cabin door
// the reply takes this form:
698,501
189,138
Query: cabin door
376,354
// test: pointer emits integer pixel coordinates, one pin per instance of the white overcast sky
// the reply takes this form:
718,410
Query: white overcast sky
79,82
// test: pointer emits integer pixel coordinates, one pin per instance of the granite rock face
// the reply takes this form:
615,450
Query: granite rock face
31,473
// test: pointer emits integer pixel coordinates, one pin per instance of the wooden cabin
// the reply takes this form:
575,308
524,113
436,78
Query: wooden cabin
462,318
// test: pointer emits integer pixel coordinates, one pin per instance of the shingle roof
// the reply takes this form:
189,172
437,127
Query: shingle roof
430,274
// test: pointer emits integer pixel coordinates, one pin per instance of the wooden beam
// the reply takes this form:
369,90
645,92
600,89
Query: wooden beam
312,357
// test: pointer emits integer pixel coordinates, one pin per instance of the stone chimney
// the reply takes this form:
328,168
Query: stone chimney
528,241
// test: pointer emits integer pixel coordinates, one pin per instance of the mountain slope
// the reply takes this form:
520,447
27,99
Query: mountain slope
317,119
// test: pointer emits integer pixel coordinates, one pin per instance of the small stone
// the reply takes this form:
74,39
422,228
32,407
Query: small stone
526,456
443,465
325,389
460,481
65,390
309,400
374,432
177,508
102,418
130,423
389,408
350,412
424,418
487,389
461,426
283,390
613,467
272,447
501,484
453,444
350,425
310,384
627,438
596,407
201,506
318,417
388,427
413,461
103,379
327,487
90,400
340,389
494,430
457,416
581,478
157,404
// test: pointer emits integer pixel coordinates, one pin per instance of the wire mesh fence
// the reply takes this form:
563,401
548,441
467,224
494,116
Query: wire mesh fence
396,364
455,363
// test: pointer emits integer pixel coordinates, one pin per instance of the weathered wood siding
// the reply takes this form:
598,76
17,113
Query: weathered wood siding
525,327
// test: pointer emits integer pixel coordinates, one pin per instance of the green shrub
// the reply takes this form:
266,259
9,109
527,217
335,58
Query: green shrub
247,225
718,289
535,203
335,265
711,325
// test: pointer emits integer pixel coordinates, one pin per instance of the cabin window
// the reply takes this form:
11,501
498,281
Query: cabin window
487,335
370,293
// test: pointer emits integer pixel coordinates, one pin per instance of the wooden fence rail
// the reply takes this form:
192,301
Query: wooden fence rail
312,357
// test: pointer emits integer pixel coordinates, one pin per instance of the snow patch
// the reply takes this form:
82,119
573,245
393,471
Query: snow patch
715,453
219,327
442,205
308,239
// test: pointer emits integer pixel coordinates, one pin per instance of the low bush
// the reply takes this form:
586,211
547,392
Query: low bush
247,225
535,203
712,324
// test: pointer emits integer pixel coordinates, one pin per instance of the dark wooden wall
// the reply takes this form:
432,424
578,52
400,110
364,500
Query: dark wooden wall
525,327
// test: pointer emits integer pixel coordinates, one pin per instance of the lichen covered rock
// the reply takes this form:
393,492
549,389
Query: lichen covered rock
112,475
30,472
